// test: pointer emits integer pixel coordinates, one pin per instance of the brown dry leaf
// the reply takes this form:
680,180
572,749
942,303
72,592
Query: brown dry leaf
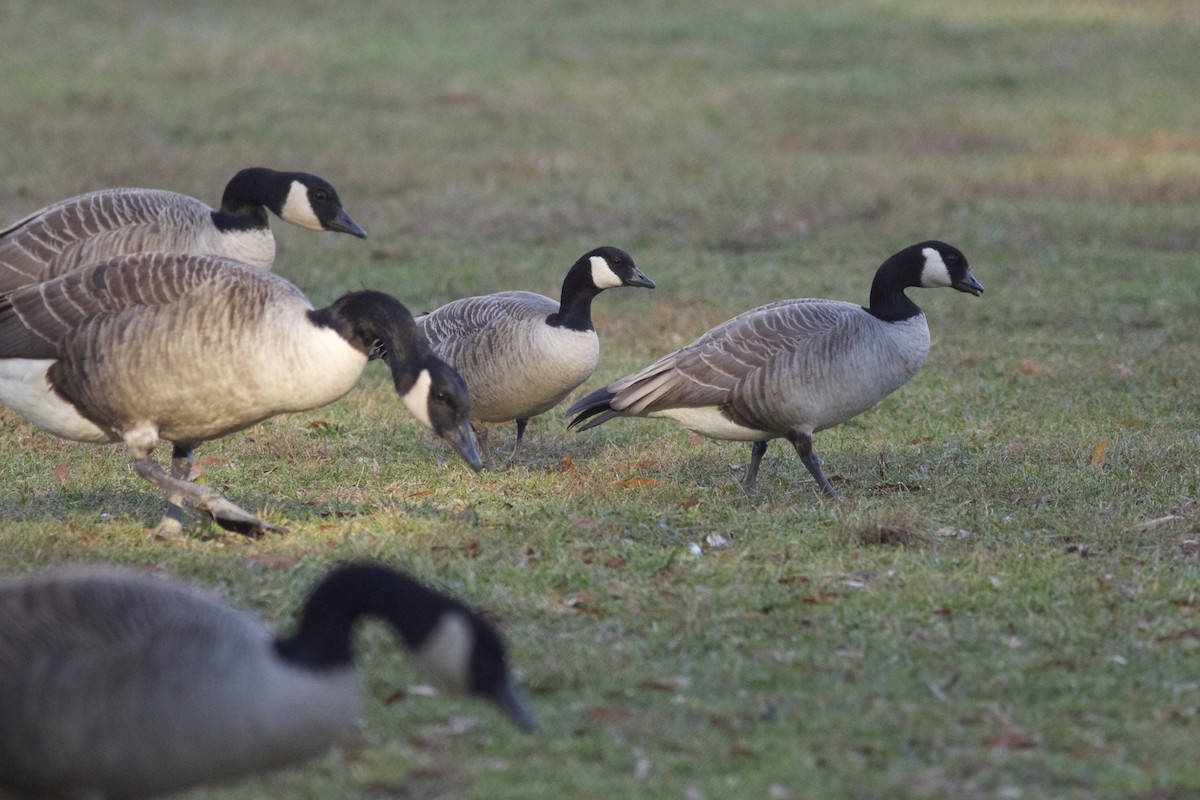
1011,735
671,683
395,697
530,556
210,461
691,502
62,471
608,714
318,424
1098,453
614,562
1029,368
568,465
1186,633
634,483
268,561
421,493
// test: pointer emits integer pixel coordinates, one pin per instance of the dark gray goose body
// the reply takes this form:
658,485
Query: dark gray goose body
791,368
521,353
116,684
189,348
94,227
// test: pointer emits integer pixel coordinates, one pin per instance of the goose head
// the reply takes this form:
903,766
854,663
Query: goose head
923,265
610,267
439,399
460,649
379,325
300,198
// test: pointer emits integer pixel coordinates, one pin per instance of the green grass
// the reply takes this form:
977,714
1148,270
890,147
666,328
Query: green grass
1028,626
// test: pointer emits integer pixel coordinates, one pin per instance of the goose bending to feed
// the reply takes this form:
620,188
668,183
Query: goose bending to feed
189,348
791,368
93,227
521,353
117,684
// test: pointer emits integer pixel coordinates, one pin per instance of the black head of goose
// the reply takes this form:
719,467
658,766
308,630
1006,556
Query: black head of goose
791,368
116,684
188,348
521,353
93,227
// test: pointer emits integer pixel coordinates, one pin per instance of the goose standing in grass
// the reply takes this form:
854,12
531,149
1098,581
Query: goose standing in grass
791,368
521,353
93,227
116,684
188,348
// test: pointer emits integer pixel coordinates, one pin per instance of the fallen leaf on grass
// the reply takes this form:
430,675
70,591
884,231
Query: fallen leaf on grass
1011,735
275,562
568,466
671,683
1186,633
1099,452
421,493
1029,368
897,486
1157,522
608,714
62,471
318,424
211,461
634,483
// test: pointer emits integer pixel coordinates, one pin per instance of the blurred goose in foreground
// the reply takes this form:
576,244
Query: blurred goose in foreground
117,684
191,348
93,227
521,353
793,367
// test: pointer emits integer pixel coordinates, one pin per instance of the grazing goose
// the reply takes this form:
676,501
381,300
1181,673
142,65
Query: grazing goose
793,367
97,355
117,684
94,227
522,353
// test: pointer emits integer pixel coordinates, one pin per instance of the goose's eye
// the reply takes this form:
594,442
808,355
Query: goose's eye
617,261
320,195
952,258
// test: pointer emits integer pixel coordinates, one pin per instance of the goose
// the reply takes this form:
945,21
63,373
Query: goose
521,353
93,227
793,367
118,684
190,348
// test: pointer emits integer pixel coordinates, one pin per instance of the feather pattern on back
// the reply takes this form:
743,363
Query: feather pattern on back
515,365
113,327
814,363
101,225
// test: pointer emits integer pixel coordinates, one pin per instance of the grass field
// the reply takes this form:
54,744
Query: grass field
1005,603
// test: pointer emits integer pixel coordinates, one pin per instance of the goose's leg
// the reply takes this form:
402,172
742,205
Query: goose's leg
521,423
803,444
181,467
750,482
481,438
224,513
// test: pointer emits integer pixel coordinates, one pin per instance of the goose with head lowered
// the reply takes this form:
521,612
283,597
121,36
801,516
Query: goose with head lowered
791,368
189,348
117,684
94,227
521,353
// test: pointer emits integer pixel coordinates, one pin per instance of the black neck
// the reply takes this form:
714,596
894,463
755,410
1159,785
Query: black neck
575,305
324,637
374,322
247,197
888,300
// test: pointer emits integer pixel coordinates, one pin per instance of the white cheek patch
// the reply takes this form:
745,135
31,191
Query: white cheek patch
446,652
602,275
935,272
417,399
298,211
